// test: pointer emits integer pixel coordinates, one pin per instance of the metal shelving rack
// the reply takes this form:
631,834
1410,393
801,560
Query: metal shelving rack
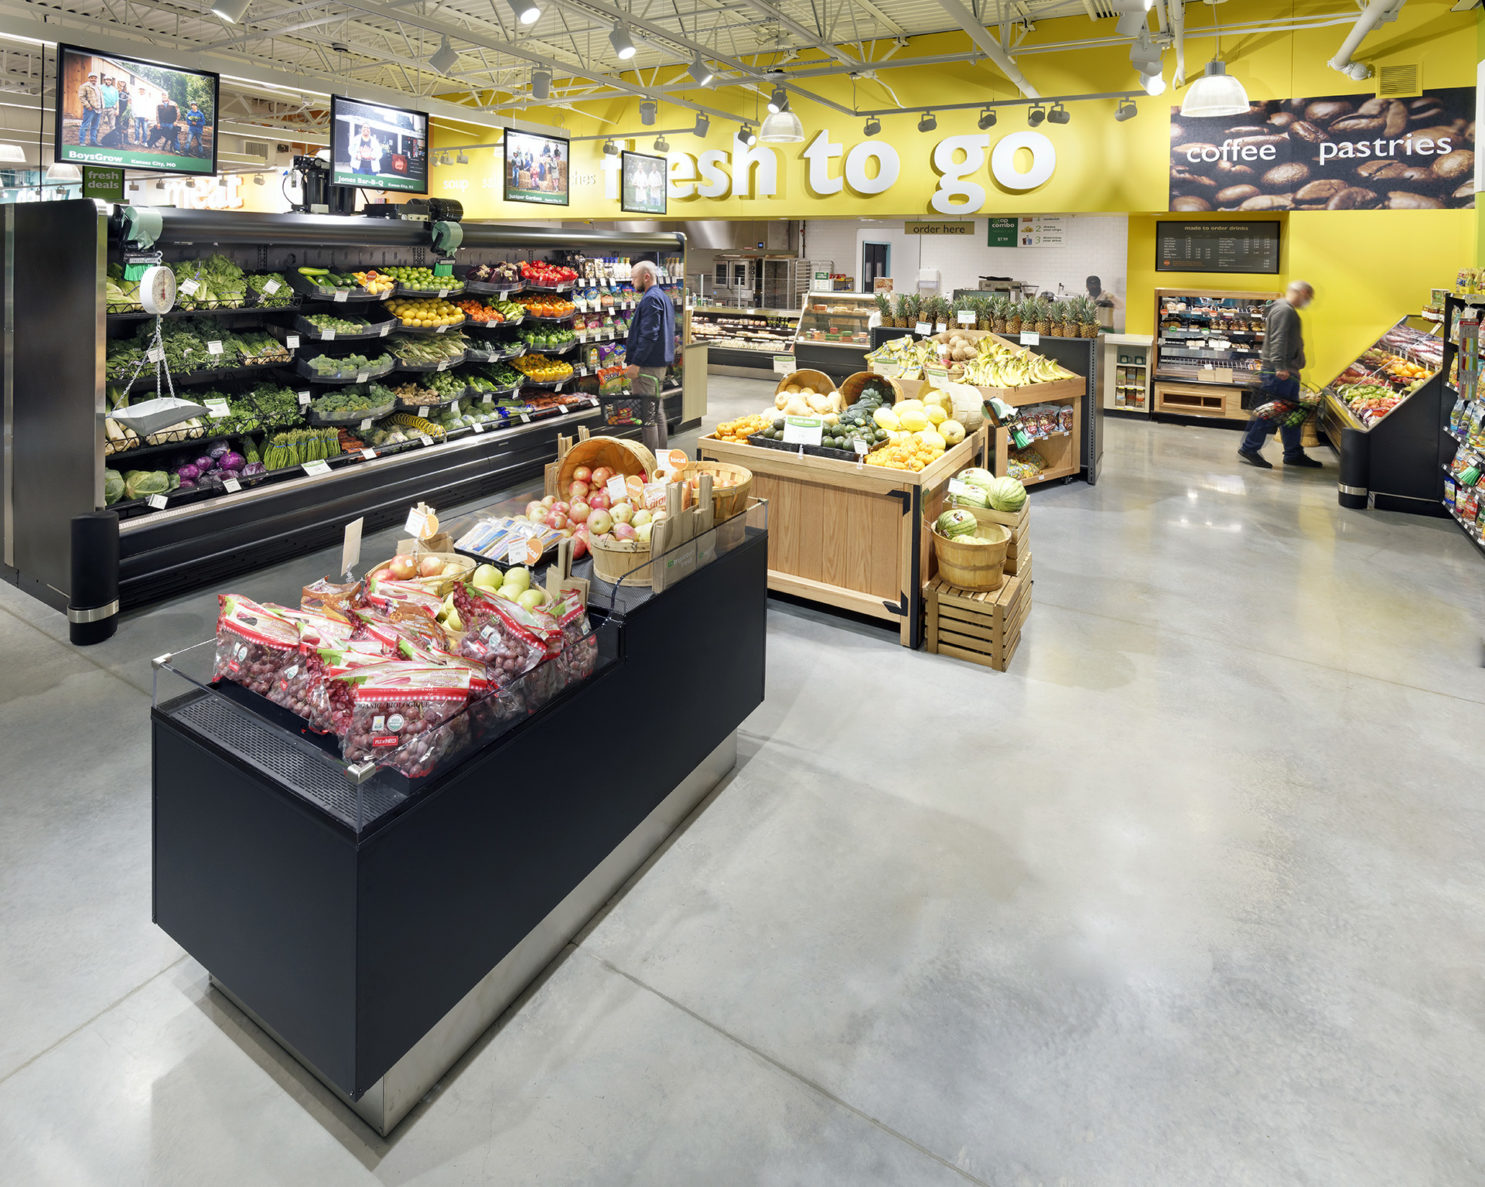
1455,387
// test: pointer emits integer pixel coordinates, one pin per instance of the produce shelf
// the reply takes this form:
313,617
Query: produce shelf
377,329
311,291
138,314
401,327
303,370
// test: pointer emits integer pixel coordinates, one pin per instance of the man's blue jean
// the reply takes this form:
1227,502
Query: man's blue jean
1274,388
89,123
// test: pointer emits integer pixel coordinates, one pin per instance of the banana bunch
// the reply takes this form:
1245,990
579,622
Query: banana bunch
999,365
909,353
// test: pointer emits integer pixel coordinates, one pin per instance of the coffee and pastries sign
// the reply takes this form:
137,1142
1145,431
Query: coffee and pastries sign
1342,152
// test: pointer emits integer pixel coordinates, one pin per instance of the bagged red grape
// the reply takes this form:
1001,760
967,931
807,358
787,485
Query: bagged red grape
301,686
579,647
495,635
254,644
401,599
388,634
408,717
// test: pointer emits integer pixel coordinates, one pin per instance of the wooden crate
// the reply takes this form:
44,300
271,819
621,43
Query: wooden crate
1200,399
844,535
984,628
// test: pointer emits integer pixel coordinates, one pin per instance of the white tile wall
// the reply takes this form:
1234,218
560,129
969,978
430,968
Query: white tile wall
1097,245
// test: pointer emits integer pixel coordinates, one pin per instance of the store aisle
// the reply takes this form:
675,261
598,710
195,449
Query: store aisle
1191,895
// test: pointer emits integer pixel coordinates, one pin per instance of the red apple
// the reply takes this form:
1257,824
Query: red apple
599,500
549,500
556,521
622,512
559,505
403,567
623,531
535,510
582,474
430,566
600,522
578,511
578,490
579,547
601,476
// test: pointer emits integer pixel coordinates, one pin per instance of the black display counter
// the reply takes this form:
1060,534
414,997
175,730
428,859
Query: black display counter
375,931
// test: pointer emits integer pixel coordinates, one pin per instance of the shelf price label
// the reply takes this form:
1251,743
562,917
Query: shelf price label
217,409
923,329
525,419
478,426
231,485
423,410
189,287
425,439
803,430
304,399
291,341
385,330
364,425
1030,338
367,454
214,347
965,317
155,355
157,502
341,296
316,467
361,376
271,286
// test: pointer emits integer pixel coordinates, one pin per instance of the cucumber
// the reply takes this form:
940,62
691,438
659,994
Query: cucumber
314,271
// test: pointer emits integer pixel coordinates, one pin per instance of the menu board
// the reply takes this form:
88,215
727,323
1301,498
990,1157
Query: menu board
1187,246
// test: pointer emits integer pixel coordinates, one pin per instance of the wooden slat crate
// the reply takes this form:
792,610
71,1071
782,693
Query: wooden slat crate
984,628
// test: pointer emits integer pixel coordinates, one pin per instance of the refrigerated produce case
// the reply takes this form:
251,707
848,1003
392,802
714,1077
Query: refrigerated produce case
375,923
1382,415
59,388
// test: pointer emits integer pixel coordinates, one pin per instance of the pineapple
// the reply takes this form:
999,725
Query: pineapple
884,307
1057,318
901,311
1088,318
1043,318
1013,312
998,309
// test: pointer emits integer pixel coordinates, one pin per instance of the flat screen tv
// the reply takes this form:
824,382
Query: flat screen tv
378,148
113,110
642,184
535,168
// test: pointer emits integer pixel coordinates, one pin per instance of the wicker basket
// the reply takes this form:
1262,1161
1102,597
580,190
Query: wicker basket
817,380
730,486
851,385
620,562
618,454
972,565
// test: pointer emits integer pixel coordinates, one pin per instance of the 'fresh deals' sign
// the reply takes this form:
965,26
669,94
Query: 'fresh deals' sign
1341,152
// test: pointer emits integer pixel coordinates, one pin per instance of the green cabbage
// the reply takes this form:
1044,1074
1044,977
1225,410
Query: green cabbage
956,522
1007,495
113,487
139,484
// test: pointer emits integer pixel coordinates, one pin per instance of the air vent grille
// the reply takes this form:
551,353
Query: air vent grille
1399,82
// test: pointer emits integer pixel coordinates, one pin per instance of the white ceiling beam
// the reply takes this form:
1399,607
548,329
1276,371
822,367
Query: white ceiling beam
992,48
806,34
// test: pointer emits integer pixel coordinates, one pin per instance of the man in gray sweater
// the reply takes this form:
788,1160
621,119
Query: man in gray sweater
1283,356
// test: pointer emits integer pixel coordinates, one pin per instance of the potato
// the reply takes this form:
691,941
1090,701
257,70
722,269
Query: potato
781,401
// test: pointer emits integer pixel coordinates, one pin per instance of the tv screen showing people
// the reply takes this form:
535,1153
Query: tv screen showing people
113,110
642,184
378,148
535,168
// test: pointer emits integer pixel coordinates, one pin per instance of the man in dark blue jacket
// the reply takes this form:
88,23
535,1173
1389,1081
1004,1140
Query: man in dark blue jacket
651,347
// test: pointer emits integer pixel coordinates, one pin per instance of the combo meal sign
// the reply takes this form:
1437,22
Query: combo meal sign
1339,152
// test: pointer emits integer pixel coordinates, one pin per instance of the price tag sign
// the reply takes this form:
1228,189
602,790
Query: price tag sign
385,329
617,489
214,347
783,364
525,420
318,466
155,355
563,410
327,336
965,317
1029,338
860,446
442,293
342,296
422,409
304,399
367,454
425,439
217,409
364,425
937,376
361,376
923,329
488,398
478,426
189,287
439,329
964,490
157,502
231,485
291,341
417,523
271,286
803,430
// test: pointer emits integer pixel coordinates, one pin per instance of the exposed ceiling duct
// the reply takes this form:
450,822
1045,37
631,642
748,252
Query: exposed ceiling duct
1371,16
993,49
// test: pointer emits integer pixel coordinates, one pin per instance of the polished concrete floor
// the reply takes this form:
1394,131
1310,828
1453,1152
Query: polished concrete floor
1194,894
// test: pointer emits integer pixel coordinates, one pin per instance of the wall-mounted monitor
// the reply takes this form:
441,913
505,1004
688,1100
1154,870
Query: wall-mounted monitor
535,168
642,184
378,148
1192,245
113,110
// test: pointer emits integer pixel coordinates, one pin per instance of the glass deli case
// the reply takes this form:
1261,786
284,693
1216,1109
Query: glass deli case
834,332
744,337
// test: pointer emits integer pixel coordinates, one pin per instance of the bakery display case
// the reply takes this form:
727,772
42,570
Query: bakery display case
833,332
1208,347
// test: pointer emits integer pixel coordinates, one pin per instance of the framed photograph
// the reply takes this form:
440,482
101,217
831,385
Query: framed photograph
642,183
378,148
134,114
535,168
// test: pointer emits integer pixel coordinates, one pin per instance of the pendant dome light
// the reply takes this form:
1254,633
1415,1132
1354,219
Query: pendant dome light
1216,92
782,127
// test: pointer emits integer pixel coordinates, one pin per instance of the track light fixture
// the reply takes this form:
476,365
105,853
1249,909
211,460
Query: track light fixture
528,12
1154,84
747,135
703,123
621,41
1035,114
461,159
541,84
779,100
662,144
1059,114
231,11
610,149
928,122
700,71
873,126
647,112
987,118
257,179
1127,110
1132,16
444,58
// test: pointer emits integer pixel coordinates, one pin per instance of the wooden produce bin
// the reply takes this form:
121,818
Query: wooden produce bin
845,535
984,628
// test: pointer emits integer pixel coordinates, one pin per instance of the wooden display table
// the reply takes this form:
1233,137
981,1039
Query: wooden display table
845,535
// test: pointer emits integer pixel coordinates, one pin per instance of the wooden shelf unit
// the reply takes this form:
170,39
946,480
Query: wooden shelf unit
1218,398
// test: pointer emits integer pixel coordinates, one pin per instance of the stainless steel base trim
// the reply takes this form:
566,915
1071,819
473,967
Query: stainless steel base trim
395,1095
94,615
1351,490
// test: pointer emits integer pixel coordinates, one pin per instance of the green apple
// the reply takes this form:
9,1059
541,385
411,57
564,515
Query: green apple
532,599
487,577
642,532
519,576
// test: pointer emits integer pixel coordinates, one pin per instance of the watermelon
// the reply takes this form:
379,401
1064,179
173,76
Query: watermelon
977,477
1006,494
956,522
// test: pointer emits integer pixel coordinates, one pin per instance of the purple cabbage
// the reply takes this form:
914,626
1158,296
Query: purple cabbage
231,460
218,448
188,473
205,464
254,470
186,483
